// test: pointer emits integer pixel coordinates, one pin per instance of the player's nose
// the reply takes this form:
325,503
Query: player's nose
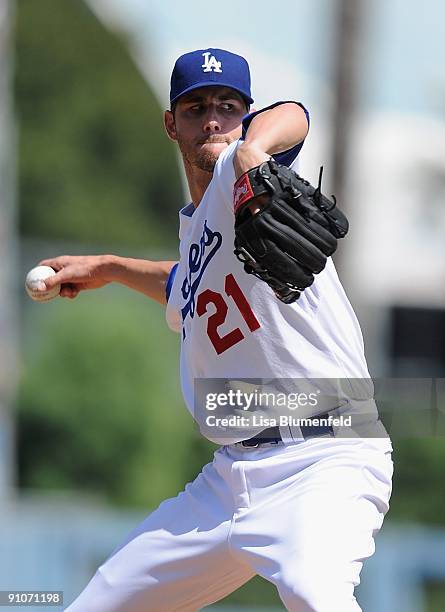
212,126
211,123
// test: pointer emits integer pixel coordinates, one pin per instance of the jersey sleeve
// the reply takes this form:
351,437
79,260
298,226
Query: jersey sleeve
172,314
285,157
169,283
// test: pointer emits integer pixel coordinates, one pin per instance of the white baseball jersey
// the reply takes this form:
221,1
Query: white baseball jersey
232,324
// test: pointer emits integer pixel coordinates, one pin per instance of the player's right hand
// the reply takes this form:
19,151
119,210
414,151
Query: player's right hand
78,273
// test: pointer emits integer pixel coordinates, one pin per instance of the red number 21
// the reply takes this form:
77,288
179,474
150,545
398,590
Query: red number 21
233,290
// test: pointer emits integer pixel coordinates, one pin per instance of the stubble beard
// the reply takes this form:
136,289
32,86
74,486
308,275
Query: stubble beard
206,161
203,159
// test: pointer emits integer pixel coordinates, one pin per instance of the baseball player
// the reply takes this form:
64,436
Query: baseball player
254,296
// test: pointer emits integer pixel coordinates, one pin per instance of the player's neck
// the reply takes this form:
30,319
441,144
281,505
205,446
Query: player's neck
198,181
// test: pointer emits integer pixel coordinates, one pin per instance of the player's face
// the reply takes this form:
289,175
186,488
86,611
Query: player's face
204,123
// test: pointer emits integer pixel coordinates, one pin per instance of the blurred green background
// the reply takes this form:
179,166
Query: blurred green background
96,168
99,408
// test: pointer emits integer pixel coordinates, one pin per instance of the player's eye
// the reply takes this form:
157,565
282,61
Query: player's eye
227,106
196,108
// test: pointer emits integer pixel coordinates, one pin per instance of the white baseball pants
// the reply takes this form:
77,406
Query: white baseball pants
302,515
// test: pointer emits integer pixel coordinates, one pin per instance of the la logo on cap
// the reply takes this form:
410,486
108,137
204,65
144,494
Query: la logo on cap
210,63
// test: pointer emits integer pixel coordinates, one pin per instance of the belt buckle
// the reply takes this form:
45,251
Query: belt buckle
256,445
262,438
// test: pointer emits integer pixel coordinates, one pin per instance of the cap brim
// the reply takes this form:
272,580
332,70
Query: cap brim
213,84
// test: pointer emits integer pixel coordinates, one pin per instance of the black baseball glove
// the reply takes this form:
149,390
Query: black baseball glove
291,236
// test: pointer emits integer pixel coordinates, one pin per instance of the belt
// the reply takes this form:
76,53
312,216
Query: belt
272,435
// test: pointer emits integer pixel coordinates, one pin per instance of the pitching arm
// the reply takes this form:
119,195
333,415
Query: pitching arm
80,273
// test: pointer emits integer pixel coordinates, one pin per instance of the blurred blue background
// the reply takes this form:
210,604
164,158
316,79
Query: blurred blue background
93,431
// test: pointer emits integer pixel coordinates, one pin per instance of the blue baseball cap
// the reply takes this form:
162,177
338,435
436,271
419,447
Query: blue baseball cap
207,67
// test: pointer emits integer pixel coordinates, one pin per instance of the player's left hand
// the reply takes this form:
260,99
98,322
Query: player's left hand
249,156
293,232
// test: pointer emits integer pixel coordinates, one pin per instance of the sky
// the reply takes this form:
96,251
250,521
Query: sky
406,57
281,60
290,46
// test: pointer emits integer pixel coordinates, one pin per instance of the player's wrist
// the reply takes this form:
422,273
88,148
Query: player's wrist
111,267
248,155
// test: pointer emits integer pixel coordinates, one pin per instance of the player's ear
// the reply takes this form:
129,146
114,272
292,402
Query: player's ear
170,125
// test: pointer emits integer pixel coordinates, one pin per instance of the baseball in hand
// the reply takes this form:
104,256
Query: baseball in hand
34,281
